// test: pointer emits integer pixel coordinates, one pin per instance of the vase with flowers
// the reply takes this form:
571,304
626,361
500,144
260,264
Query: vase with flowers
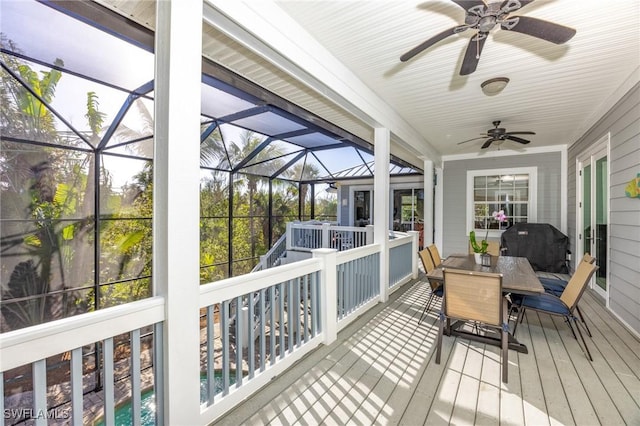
480,249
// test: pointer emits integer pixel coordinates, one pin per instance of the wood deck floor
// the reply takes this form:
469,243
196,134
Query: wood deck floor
382,370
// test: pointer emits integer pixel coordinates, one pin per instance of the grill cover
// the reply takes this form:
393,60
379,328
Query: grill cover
542,244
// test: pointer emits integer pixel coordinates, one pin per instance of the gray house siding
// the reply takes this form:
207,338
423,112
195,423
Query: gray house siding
343,205
623,124
455,192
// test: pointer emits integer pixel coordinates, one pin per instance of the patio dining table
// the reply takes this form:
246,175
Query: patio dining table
518,277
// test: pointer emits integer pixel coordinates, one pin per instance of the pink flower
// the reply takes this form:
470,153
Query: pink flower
499,216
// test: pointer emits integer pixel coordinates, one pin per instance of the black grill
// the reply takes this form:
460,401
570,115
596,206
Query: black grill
543,245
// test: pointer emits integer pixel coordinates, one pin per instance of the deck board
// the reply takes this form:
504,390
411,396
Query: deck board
511,407
605,359
549,351
622,353
576,399
464,411
382,370
533,402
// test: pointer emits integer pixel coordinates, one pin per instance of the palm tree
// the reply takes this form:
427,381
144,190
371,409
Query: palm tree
249,141
24,115
124,133
81,263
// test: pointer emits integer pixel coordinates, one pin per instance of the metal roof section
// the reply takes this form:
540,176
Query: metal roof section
367,170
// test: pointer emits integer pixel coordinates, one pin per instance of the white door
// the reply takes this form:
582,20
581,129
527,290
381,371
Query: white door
593,212
362,208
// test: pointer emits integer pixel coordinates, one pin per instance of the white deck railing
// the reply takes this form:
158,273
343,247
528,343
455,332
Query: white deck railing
357,282
402,257
300,306
66,338
307,237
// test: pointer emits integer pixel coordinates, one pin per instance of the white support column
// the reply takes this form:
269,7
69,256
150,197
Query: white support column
414,259
328,293
176,178
439,211
339,202
382,138
563,191
427,237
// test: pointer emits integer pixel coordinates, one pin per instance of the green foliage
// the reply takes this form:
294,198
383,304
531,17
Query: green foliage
25,115
477,248
326,209
94,117
119,293
55,190
37,119
68,232
32,240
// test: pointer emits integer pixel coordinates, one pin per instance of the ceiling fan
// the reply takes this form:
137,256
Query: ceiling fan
484,17
500,134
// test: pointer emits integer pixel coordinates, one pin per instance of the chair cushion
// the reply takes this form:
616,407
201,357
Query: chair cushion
553,275
545,302
553,286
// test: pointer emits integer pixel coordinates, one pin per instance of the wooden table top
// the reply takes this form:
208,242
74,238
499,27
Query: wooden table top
517,274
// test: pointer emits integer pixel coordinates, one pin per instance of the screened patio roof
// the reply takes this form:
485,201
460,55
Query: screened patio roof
285,141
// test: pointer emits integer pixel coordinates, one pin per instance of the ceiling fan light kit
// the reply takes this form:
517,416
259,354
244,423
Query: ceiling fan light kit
493,86
483,18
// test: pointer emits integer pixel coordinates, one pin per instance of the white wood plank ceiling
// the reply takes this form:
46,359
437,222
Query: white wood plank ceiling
557,91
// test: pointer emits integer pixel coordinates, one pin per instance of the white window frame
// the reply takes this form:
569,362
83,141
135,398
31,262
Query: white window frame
414,186
532,210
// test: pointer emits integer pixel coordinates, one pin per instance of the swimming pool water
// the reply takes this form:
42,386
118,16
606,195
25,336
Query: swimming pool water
148,404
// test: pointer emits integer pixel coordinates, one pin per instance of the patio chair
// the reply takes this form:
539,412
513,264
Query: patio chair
436,287
475,296
564,305
435,255
556,286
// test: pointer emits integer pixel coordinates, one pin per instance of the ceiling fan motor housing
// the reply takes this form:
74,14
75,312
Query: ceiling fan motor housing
499,135
483,17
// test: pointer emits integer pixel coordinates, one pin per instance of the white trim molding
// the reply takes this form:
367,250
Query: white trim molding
588,157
